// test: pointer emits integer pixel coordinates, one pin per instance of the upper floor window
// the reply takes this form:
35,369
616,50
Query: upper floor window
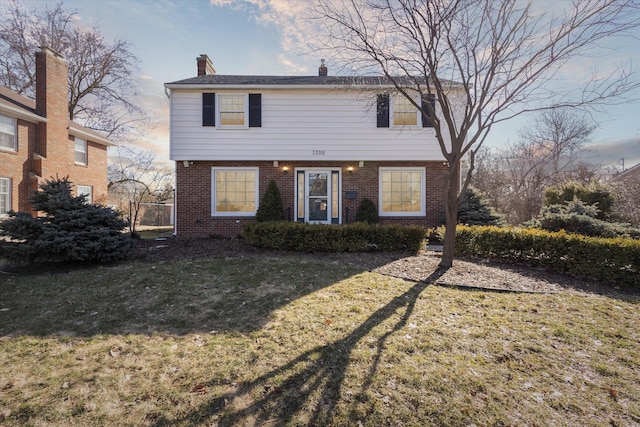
404,112
398,111
8,140
86,190
81,151
5,196
232,110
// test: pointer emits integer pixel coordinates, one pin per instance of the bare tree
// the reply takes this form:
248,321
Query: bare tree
516,175
101,88
136,178
558,135
485,61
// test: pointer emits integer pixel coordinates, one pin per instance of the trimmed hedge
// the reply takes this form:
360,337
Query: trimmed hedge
615,260
357,237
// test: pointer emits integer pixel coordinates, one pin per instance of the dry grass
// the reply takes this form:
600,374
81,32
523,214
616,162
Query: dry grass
301,341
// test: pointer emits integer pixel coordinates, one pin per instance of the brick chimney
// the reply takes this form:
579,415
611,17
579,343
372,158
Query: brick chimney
322,71
205,66
52,90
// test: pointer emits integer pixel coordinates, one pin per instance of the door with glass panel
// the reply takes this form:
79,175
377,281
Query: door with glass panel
318,199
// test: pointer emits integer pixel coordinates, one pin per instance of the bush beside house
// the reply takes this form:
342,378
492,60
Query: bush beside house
70,230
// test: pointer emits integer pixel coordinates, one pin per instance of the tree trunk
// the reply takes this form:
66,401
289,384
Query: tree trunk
451,215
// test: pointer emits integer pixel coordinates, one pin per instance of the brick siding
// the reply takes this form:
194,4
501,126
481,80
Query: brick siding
193,195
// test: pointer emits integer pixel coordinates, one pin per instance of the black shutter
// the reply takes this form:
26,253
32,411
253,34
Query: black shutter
255,110
383,111
428,99
208,109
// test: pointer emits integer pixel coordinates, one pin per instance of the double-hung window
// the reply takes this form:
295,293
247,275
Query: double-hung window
5,196
81,151
8,140
402,191
235,191
232,110
86,190
404,113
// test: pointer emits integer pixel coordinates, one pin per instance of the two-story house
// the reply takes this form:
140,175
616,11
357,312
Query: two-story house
38,141
327,141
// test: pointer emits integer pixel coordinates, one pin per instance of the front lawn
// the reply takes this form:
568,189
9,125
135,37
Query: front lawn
291,340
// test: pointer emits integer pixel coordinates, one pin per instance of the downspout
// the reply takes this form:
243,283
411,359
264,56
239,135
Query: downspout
167,93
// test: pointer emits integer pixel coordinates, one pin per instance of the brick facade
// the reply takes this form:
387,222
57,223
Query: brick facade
194,194
46,148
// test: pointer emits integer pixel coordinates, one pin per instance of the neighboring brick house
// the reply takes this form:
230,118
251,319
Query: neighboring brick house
328,142
38,141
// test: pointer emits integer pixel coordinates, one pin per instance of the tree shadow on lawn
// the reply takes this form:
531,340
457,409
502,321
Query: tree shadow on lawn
311,383
175,297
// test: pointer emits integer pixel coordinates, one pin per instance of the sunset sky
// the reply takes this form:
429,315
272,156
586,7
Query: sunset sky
264,37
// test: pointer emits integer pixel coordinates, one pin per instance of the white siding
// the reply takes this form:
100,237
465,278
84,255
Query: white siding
298,125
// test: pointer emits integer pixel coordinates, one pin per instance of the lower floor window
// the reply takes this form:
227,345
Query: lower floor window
5,196
235,191
402,191
86,190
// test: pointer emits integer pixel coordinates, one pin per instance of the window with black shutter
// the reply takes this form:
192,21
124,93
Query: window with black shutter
383,111
428,100
208,109
255,110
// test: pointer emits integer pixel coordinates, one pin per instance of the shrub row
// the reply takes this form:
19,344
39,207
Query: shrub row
357,237
615,260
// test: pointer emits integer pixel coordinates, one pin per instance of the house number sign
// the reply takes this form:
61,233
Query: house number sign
318,152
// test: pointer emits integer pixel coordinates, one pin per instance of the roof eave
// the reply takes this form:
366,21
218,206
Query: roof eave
21,113
91,136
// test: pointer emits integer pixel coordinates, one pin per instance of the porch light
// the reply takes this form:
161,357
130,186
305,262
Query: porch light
285,169
350,169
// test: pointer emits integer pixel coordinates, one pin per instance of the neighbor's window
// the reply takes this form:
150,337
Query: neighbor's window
233,110
402,191
81,151
404,112
8,133
86,190
5,196
235,191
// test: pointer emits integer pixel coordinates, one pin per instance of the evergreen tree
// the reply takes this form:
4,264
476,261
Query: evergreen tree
270,208
367,212
474,209
70,230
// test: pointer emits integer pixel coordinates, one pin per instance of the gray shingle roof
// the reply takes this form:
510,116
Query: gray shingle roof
238,80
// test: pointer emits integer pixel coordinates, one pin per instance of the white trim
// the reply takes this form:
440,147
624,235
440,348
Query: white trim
423,195
89,136
79,192
20,113
15,135
214,169
4,215
85,145
219,97
306,196
418,115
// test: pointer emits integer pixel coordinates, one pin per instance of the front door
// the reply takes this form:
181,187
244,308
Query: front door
318,196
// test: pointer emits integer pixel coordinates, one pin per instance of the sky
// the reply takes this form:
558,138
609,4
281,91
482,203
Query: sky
263,37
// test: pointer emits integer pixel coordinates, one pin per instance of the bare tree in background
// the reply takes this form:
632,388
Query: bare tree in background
101,87
485,61
136,178
516,175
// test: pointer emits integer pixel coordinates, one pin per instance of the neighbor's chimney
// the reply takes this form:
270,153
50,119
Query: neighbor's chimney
205,66
322,71
52,91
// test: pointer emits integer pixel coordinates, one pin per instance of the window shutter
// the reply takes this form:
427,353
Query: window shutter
208,109
428,99
383,111
255,110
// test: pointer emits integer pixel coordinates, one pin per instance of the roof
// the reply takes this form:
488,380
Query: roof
629,173
230,81
16,105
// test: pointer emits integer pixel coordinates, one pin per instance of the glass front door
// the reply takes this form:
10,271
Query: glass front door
317,197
